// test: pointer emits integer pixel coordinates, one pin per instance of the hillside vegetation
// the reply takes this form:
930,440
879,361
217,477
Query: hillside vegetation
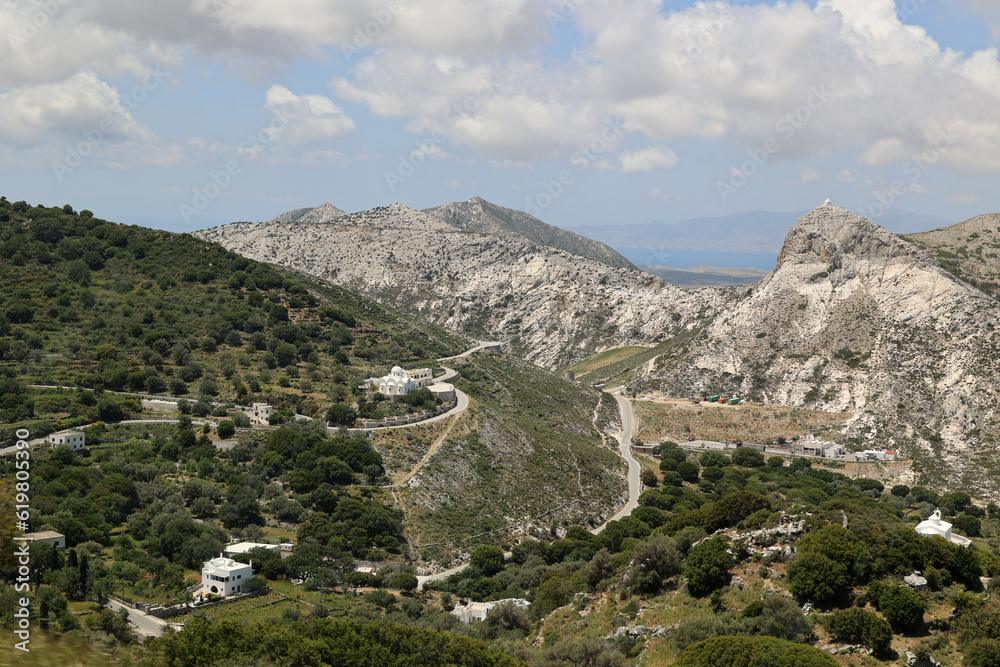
969,250
533,453
100,305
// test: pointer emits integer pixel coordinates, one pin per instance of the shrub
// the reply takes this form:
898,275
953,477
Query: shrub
748,457
982,653
860,626
902,607
487,558
226,428
707,567
813,576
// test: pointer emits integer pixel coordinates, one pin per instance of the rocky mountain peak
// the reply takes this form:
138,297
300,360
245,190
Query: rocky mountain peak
830,239
478,216
326,212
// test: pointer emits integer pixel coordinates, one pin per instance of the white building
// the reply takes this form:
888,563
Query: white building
57,540
422,376
397,383
75,439
443,390
934,525
259,413
241,548
476,611
224,576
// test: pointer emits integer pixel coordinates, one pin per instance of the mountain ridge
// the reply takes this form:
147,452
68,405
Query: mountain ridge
556,307
856,319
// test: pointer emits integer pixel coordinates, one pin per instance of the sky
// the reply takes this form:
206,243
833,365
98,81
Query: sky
189,114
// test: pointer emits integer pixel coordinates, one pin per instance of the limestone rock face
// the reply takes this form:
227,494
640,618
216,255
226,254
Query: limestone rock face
482,269
324,213
856,319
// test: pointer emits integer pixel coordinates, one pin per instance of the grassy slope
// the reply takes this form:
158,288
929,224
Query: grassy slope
529,446
752,423
603,359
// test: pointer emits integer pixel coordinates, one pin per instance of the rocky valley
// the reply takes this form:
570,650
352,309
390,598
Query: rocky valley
853,318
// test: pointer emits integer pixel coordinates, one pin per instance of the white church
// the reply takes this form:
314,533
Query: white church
934,525
400,382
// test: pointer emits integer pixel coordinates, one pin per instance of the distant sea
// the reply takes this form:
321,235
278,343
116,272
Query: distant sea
688,259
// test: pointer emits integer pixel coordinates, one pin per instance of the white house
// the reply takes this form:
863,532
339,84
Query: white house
934,525
58,540
259,413
75,439
476,611
224,576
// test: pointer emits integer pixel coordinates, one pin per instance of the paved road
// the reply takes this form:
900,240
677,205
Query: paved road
482,344
447,573
144,624
31,445
624,440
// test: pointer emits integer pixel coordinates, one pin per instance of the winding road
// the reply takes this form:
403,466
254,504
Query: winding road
624,442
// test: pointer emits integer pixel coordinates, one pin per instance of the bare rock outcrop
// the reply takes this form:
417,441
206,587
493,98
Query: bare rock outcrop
856,319
482,269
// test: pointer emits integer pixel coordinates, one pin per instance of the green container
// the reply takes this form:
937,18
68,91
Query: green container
734,401
713,399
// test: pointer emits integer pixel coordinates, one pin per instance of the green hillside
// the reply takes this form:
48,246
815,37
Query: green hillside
100,305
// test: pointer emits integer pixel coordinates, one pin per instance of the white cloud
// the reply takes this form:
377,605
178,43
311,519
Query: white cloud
846,176
919,189
840,75
311,118
964,198
808,175
648,159
452,184
656,193
55,111
844,74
